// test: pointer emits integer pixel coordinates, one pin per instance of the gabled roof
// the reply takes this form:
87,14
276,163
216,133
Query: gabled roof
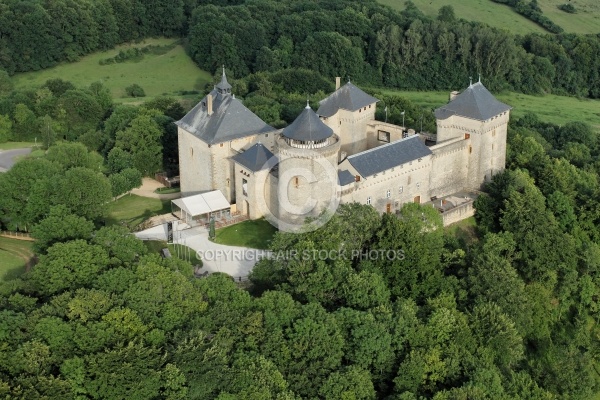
256,158
347,97
345,177
476,102
307,127
230,120
388,156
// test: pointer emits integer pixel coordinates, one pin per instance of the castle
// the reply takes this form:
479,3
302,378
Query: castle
339,154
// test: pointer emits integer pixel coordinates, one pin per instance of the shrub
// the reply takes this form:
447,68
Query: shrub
135,90
567,7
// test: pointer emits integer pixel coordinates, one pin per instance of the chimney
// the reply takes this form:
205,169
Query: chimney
337,82
209,104
453,95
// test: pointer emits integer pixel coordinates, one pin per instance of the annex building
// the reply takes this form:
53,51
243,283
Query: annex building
340,153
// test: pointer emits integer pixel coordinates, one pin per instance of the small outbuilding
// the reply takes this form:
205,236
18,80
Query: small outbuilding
198,209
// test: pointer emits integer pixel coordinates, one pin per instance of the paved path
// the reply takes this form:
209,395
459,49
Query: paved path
148,187
232,260
8,158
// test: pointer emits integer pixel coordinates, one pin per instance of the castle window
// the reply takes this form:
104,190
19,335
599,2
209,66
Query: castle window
245,187
221,145
401,189
296,181
388,194
383,136
266,135
192,151
369,200
494,132
420,159
470,149
467,136
357,178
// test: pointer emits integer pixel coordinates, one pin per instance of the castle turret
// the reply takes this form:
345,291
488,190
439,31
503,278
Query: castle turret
477,117
347,111
307,171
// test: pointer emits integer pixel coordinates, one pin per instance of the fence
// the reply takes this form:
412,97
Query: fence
168,182
17,235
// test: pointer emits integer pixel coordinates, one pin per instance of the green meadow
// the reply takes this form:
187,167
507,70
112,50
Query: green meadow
555,109
170,73
586,20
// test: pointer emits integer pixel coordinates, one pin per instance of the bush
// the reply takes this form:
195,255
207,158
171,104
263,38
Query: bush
135,90
570,8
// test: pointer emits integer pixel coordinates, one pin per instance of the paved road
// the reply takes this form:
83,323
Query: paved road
233,260
9,157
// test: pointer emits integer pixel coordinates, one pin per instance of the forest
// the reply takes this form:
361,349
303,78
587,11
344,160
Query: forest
361,40
510,312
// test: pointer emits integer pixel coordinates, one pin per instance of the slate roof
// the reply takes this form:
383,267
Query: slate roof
476,102
389,155
347,97
224,86
256,158
307,127
230,118
345,177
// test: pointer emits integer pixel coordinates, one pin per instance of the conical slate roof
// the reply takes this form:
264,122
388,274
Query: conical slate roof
256,158
224,86
348,97
308,127
476,102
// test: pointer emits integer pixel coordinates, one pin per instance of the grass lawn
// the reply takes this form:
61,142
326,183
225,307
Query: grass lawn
166,74
14,257
586,20
167,190
463,230
255,234
132,210
556,109
177,250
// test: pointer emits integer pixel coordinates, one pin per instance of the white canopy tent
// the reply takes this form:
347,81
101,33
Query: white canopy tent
199,208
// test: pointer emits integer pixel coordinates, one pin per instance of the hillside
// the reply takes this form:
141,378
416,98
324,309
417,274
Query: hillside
586,20
158,74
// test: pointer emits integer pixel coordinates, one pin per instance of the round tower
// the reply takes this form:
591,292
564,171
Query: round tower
307,180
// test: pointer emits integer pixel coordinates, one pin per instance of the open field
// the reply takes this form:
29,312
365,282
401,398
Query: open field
165,74
256,234
132,210
555,109
14,257
586,20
